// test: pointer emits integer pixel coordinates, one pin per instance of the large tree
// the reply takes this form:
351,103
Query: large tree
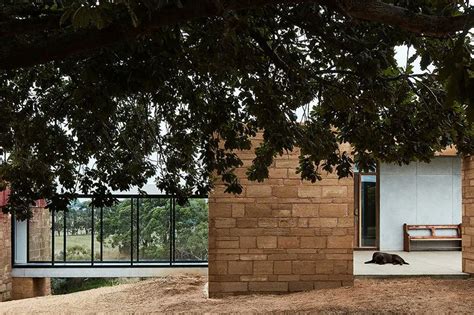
101,95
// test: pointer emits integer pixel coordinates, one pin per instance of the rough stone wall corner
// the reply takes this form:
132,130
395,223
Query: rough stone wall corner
282,235
468,215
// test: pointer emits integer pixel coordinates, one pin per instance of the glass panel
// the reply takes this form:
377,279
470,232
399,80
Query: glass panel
59,236
40,235
191,233
112,240
368,210
79,230
116,227
134,228
97,234
154,223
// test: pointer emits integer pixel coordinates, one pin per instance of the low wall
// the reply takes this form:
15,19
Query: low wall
24,288
282,235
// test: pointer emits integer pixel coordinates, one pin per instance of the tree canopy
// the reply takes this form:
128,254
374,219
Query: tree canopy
146,88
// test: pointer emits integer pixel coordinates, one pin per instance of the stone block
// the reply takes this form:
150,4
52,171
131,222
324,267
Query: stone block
266,241
220,210
267,222
224,222
288,242
268,286
303,267
263,267
246,222
340,241
259,191
305,210
282,267
309,191
278,173
240,267
238,210
248,242
224,287
334,191
333,210
258,210
218,268
285,192
313,242
227,244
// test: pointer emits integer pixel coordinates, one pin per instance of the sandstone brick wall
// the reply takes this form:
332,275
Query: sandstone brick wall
17,288
24,288
282,235
40,235
5,257
39,250
468,215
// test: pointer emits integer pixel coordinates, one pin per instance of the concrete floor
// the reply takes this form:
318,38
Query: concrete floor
438,263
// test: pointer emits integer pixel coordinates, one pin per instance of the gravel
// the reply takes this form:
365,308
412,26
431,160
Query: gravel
185,294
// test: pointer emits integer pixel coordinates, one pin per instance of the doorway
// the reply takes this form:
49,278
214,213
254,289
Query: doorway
366,191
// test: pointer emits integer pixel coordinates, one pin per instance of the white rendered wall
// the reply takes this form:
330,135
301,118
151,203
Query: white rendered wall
418,193
20,254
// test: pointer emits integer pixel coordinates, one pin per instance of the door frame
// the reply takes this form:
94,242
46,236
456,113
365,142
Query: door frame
357,209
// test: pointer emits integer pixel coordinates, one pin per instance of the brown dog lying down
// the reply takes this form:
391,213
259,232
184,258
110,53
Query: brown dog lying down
384,258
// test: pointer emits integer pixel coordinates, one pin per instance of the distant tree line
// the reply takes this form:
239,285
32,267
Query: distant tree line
78,219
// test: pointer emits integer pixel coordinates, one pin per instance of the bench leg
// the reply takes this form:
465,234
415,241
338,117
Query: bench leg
406,244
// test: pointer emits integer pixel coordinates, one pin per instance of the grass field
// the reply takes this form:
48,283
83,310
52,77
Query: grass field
79,249
84,241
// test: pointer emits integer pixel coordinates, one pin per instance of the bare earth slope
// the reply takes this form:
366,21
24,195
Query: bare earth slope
186,294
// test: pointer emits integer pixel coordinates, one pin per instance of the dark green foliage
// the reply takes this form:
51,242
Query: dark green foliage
78,219
192,230
191,224
71,285
160,104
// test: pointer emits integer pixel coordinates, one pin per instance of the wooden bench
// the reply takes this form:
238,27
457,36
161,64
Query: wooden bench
407,238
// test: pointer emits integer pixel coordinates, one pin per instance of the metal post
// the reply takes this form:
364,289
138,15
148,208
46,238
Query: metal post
52,237
101,234
138,229
171,230
92,237
131,231
64,235
27,240
174,229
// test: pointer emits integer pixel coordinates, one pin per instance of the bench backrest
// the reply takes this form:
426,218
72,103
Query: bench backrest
432,228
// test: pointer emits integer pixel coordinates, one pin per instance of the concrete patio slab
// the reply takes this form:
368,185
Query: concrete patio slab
429,263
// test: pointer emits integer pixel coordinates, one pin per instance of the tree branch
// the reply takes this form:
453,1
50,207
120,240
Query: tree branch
57,44
378,11
262,42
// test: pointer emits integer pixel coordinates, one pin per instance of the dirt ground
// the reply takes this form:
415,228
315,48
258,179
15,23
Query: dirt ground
187,294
